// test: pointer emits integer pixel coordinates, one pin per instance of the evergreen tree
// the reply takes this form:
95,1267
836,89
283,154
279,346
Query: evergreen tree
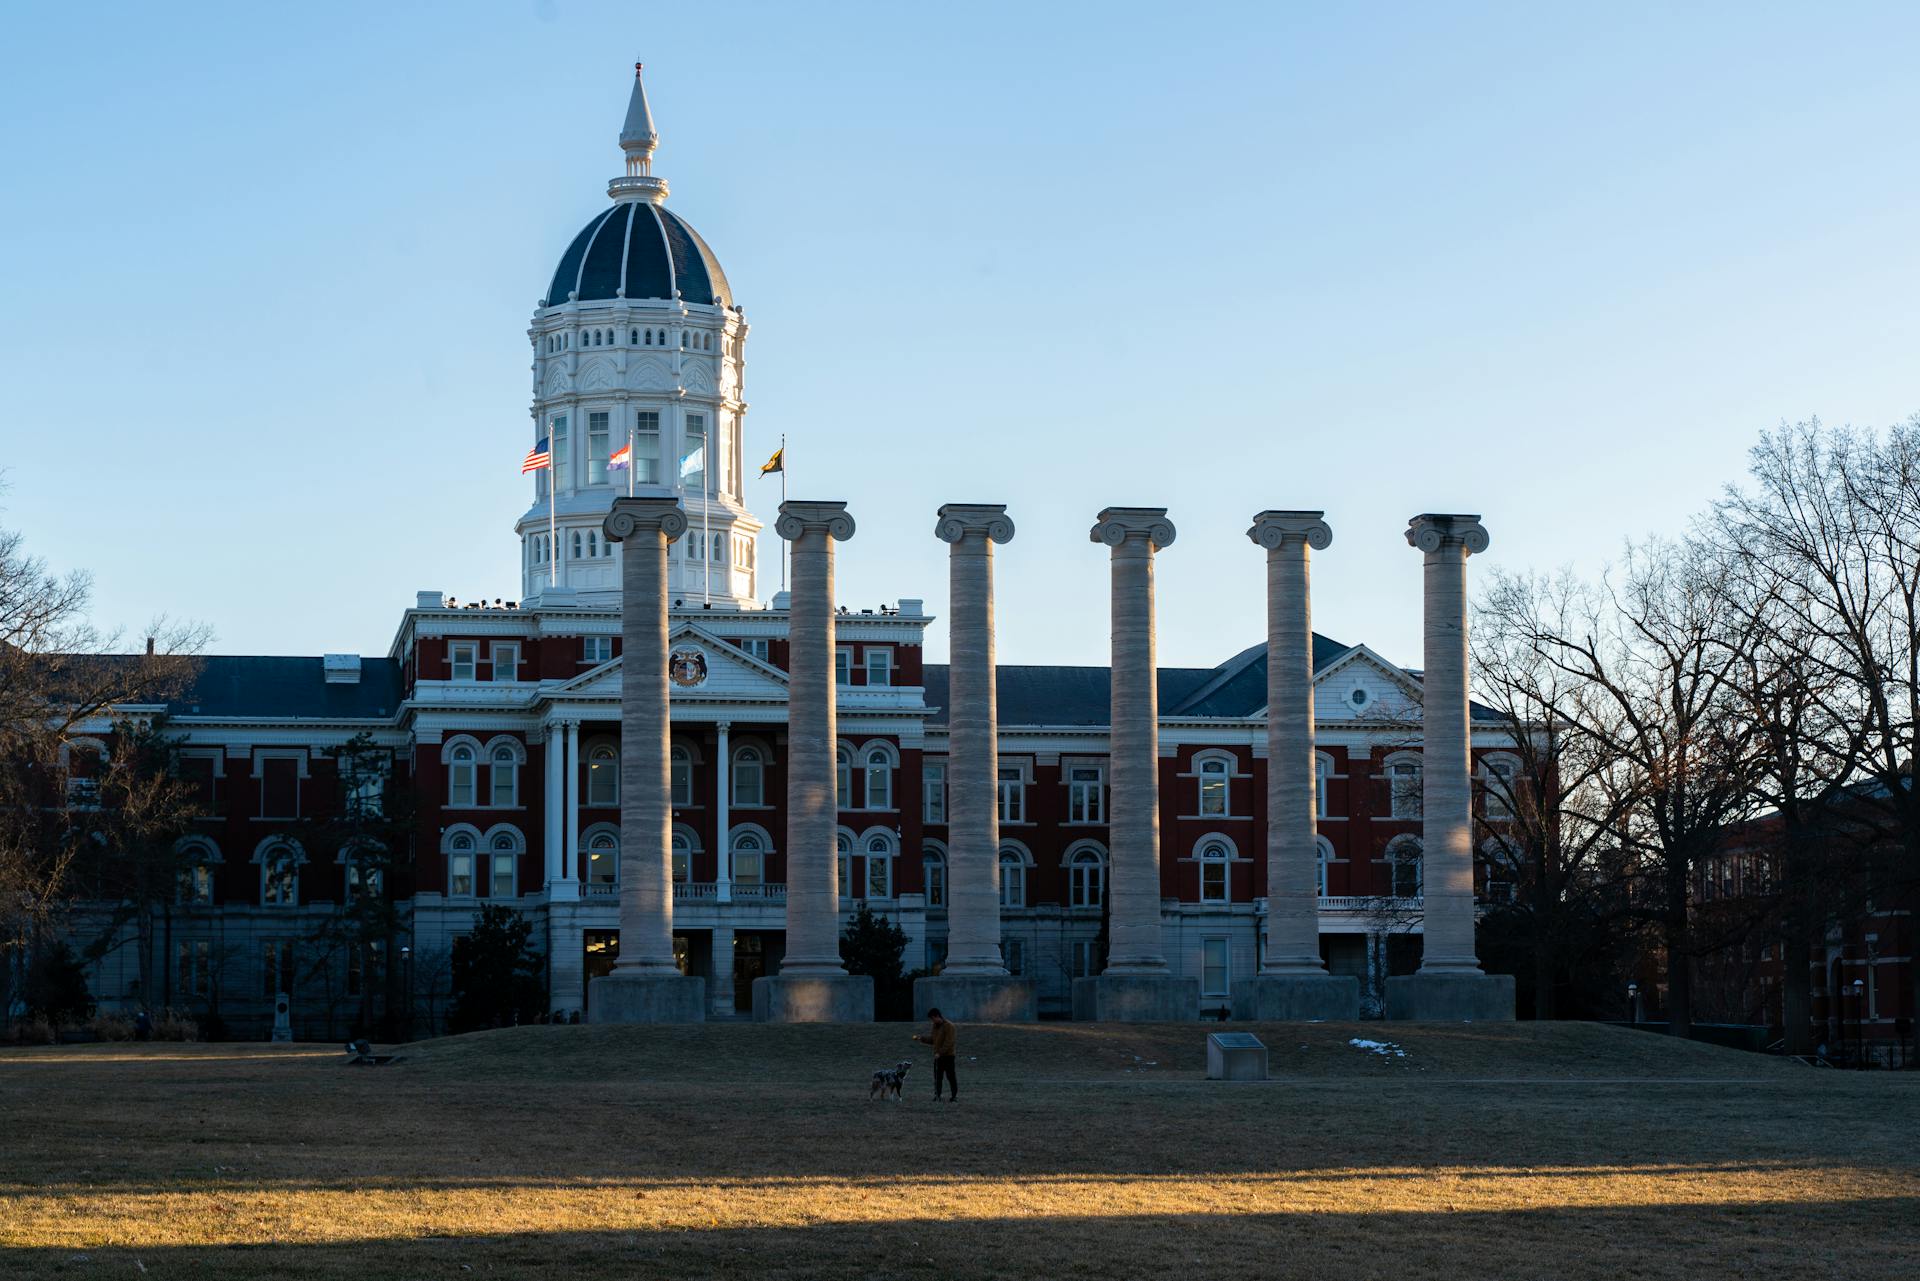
496,973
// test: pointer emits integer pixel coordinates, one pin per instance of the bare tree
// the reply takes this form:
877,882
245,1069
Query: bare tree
1649,654
1552,824
60,677
1830,524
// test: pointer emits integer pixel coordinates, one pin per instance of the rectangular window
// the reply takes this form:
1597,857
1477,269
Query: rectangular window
933,792
561,476
1500,783
502,886
879,877
276,967
1213,967
503,770
757,648
1084,957
879,666
460,875
596,650
1213,881
279,787
597,448
693,454
1014,953
646,447
464,657
1407,801
843,667
935,871
193,969
1013,794
360,960
1086,794
1322,767
196,885
506,661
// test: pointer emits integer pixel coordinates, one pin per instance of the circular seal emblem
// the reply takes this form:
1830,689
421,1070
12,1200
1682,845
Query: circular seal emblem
687,666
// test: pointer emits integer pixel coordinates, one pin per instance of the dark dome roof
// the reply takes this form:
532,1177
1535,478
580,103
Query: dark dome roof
649,249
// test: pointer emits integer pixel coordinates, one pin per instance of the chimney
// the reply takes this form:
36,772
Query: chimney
149,647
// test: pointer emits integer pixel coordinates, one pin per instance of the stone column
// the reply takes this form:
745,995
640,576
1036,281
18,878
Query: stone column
1293,982
720,986
570,864
723,837
1449,984
812,985
554,751
646,985
1136,985
974,986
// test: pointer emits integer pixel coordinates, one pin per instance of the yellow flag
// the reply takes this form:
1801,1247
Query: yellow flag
776,463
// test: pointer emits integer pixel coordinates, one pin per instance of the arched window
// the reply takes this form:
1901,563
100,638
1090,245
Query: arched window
1086,877
593,544
1216,859
719,549
460,845
503,862
685,846
460,776
633,339
749,776
1404,860
749,856
843,851
879,852
1013,877
199,856
648,342
279,874
576,546
504,764
603,857
1324,856
1404,780
682,773
877,776
933,867
603,776
1215,777
843,776
1500,777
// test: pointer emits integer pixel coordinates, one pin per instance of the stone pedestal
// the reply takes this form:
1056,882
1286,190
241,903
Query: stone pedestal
813,998
977,998
1451,998
646,998
1311,998
1136,998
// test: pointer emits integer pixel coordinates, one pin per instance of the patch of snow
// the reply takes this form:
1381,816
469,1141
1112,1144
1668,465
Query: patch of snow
1378,1047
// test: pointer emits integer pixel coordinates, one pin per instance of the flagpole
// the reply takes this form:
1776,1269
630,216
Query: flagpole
553,532
629,460
706,505
783,503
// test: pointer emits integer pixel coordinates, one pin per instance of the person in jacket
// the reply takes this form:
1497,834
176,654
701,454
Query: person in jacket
942,1036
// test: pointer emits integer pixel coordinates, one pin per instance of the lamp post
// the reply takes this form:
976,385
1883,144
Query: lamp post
1859,1024
406,965
1633,996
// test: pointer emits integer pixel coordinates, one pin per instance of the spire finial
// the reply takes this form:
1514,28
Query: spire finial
638,138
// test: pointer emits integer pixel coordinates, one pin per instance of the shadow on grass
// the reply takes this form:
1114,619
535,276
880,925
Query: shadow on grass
1868,1237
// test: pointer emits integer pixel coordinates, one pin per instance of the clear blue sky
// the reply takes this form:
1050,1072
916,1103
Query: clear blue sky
268,271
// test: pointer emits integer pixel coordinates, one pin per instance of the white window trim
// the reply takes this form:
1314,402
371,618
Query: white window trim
1067,785
453,661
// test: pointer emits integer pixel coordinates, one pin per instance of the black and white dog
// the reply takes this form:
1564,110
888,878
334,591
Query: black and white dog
887,1081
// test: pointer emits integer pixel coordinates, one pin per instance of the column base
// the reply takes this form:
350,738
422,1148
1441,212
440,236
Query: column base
1451,998
1136,998
1297,998
978,998
667,998
813,998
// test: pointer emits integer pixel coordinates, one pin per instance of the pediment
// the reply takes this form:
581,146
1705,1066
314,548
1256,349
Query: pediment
1388,692
703,667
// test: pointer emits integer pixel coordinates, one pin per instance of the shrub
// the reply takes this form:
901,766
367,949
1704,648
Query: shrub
32,1031
111,1027
175,1025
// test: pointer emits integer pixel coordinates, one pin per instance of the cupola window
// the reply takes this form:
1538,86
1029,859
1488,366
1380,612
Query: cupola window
646,447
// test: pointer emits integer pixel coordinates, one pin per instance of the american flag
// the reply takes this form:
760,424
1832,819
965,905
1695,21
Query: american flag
539,458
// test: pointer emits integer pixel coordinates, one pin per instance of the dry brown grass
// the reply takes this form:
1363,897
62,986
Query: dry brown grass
1529,1150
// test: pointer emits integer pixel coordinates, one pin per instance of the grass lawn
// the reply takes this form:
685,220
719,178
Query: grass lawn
1525,1150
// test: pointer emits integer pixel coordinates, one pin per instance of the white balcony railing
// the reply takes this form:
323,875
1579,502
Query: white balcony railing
1365,903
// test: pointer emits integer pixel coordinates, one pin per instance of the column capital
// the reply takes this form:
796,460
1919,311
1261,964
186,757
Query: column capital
798,517
958,520
1117,525
1432,531
1275,529
632,516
